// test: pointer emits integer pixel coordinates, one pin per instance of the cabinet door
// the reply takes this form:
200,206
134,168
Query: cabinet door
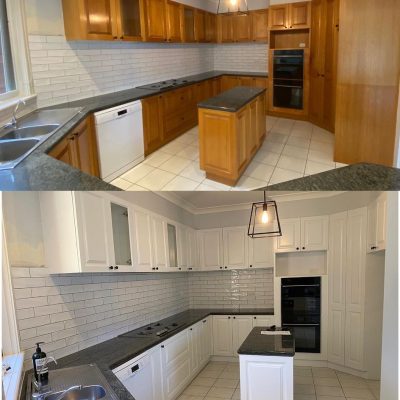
175,355
252,135
229,82
195,342
259,21
381,222
278,17
191,249
211,249
261,120
206,341
300,15
155,21
355,288
290,239
94,232
235,247
242,28
222,335
261,252
189,24
130,20
263,83
337,262
160,243
211,27
152,124
200,26
242,131
226,28
174,21
65,151
172,236
182,248
263,320
100,19
143,257
242,326
314,233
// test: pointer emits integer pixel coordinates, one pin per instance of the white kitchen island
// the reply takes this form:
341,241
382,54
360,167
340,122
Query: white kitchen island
266,366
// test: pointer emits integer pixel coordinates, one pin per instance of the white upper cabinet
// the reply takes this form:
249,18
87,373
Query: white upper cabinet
160,243
172,249
376,235
303,234
142,241
210,243
235,248
192,261
261,252
182,248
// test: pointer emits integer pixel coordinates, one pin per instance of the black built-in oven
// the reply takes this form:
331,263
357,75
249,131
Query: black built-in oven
301,311
288,78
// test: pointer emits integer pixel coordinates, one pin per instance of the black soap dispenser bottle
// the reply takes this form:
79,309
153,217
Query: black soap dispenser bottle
40,368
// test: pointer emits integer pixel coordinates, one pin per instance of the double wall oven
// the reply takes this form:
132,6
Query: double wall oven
301,311
288,79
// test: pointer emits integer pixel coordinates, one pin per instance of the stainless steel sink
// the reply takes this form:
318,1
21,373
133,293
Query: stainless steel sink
29,132
16,143
94,392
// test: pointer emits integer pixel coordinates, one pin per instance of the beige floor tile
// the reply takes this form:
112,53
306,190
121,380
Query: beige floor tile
294,151
322,136
277,137
324,372
216,185
193,172
226,383
273,147
181,183
304,397
137,173
200,381
299,142
304,389
175,165
230,374
260,171
329,391
303,380
186,139
214,367
266,157
156,180
321,157
354,383
358,393
209,374
187,397
292,164
205,188
321,381
137,188
190,152
157,158
173,147
193,390
340,165
236,395
223,393
121,183
283,175
321,146
330,397
302,371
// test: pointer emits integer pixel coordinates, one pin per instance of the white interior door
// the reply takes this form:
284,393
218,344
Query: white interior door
290,239
314,233
235,247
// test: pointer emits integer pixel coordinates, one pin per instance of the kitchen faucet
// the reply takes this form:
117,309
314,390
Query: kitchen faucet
14,122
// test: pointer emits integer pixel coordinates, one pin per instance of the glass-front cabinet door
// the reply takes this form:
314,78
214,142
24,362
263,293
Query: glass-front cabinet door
172,246
121,238
130,23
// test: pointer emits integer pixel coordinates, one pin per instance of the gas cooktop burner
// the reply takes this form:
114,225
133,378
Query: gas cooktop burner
165,84
152,330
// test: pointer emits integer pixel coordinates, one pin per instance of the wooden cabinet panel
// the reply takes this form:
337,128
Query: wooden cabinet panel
242,28
211,27
229,82
200,26
155,11
261,128
278,17
174,21
100,16
189,24
299,15
225,29
130,19
64,151
216,86
242,130
252,140
152,124
259,22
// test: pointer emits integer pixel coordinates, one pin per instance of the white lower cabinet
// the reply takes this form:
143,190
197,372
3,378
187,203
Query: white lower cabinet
206,348
263,320
195,333
264,378
222,335
241,327
175,361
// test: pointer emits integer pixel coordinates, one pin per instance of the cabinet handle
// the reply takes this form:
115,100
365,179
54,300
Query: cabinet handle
115,38
180,269
204,321
226,267
220,267
373,248
122,38
162,346
157,268
153,269
110,267
191,329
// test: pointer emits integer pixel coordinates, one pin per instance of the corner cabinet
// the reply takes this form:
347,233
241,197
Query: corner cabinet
303,234
80,239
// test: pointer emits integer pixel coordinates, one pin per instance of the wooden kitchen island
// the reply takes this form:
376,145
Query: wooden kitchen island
232,127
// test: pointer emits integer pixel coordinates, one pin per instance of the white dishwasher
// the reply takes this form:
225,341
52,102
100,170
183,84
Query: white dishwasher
119,132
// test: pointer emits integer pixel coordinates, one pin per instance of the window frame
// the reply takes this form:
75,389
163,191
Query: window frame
20,55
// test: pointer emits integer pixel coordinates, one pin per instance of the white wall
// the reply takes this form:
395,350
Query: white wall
390,335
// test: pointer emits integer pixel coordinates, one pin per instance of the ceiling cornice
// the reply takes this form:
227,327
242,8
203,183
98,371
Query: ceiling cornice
174,198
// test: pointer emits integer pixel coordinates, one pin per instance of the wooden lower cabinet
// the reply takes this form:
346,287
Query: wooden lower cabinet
152,124
229,140
79,149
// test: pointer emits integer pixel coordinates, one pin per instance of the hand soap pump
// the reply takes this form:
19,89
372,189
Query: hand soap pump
40,368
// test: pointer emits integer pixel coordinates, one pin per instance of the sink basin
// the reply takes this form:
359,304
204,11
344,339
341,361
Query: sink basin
86,393
29,132
14,149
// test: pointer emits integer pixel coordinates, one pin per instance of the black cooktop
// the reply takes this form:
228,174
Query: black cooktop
165,84
152,330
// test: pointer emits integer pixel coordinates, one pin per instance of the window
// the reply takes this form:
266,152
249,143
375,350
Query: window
7,77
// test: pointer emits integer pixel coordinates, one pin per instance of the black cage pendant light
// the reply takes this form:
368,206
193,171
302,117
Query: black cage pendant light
232,6
264,219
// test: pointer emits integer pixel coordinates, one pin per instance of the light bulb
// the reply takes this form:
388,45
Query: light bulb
233,3
264,217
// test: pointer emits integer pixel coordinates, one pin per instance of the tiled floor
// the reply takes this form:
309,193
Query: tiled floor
292,149
219,380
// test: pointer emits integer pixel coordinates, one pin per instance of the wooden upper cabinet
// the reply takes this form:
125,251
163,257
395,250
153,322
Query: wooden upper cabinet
200,26
155,11
242,27
211,27
259,25
290,16
225,22
278,17
300,15
174,21
189,24
130,19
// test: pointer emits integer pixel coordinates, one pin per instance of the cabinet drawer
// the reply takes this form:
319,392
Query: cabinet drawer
177,100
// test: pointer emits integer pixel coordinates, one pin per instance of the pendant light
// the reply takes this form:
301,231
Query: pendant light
232,6
264,219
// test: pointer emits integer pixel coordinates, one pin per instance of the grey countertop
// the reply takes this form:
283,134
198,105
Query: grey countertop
42,172
232,100
115,352
353,177
265,345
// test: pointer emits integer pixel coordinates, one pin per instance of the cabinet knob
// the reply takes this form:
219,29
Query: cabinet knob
229,317
234,317
303,248
122,38
180,269
116,267
162,346
153,269
110,267
226,267
297,248
220,267
373,248
204,321
255,317
251,266
157,268
115,37
191,329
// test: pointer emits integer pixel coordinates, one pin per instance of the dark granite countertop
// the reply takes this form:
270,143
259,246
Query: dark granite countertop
42,172
232,100
265,345
115,352
361,177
